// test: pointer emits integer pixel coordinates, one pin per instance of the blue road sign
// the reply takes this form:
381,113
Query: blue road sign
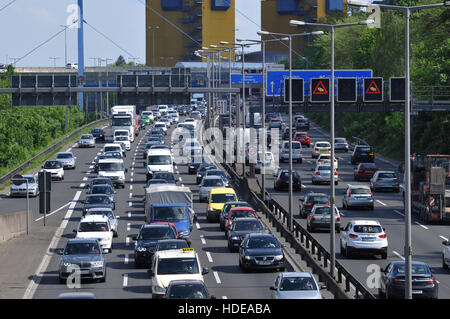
275,79
249,78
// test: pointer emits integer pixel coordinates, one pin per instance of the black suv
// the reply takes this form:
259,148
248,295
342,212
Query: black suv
98,133
311,199
282,181
362,154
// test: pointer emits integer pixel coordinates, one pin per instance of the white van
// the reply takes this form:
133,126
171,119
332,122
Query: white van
114,169
159,160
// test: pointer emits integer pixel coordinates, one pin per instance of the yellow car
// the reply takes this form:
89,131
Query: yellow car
217,199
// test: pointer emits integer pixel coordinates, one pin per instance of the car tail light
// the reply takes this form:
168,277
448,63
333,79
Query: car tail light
329,149
352,235
327,204
279,180
308,204
397,281
338,218
431,281
316,149
350,193
335,173
371,154
299,180
317,173
382,236
313,218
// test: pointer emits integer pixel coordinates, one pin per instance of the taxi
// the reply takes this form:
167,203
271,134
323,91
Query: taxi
216,201
177,264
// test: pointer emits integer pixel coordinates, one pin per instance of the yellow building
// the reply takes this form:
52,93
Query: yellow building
176,28
275,16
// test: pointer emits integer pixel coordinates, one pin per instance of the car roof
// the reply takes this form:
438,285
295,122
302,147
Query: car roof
296,274
242,208
175,253
70,153
81,240
223,190
96,209
212,177
111,160
365,222
159,152
379,172
94,218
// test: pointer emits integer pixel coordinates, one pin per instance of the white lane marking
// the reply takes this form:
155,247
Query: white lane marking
182,185
209,257
128,226
88,172
224,297
444,238
82,185
423,226
99,153
216,276
197,225
126,259
125,280
131,195
381,202
95,158
91,167
132,174
132,168
129,214
69,149
36,279
202,238
130,204
180,179
398,255
127,241
400,213
134,163
131,180
176,167
131,187
85,179
54,212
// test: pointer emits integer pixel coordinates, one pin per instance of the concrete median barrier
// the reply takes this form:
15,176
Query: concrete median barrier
12,225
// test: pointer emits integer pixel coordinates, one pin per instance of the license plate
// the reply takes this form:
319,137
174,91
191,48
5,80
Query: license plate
267,262
367,239
85,272
326,220
323,152
417,292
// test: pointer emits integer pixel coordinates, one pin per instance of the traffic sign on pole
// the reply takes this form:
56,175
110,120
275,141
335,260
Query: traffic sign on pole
373,90
298,95
320,90
346,90
397,90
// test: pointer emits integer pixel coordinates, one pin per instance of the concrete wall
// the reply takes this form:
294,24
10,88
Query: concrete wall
13,224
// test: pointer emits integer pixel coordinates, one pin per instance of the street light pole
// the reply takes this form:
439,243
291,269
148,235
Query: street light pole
65,42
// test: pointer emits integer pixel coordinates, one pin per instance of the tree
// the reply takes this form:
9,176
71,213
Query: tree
121,61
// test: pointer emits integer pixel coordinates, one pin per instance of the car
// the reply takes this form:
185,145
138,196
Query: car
96,200
326,159
161,125
240,228
385,180
321,147
363,237
19,186
297,152
302,124
99,181
392,282
362,154
86,140
319,217
282,181
96,227
154,182
322,174
55,168
364,171
303,138
358,196
104,189
66,159
220,173
340,144
216,201
311,199
237,212
108,212
167,176
223,217
296,285
270,166
123,140
275,124
286,133
202,169
114,147
85,254
208,183
261,251
446,254
98,133
171,265
187,289
147,239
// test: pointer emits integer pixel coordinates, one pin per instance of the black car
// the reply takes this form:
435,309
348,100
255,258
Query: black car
167,176
147,240
392,283
311,199
201,171
97,200
362,154
240,228
286,133
261,251
302,124
226,209
187,289
282,181
98,133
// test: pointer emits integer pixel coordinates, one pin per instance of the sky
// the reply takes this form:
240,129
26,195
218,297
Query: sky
26,24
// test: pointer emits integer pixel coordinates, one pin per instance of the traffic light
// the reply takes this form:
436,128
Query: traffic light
320,90
346,90
373,90
297,91
397,90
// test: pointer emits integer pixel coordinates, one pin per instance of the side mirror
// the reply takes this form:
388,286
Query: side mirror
74,231
150,273
205,271
60,251
445,242
134,238
272,288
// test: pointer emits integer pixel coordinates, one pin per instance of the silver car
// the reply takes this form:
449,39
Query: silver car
208,183
320,217
340,144
108,212
385,180
296,285
358,196
322,175
66,159
86,140
19,188
297,153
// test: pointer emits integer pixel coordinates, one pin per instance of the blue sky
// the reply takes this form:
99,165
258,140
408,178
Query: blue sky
27,23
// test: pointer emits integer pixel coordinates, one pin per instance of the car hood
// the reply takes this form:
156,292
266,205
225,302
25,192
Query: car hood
24,185
216,206
52,170
263,252
94,234
299,294
74,259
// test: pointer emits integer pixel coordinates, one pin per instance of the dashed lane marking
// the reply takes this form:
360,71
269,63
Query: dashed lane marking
216,276
202,238
197,225
381,202
125,280
209,256
128,226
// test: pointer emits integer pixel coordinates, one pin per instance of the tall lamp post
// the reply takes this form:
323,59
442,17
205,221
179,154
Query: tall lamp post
408,245
332,188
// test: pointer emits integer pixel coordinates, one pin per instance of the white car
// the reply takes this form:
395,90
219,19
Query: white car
322,174
325,159
364,236
96,227
177,264
55,168
163,109
297,152
161,125
446,254
123,139
296,285
113,147
270,165
321,147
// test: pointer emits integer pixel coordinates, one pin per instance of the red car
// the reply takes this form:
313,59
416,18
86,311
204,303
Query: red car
303,138
365,171
237,212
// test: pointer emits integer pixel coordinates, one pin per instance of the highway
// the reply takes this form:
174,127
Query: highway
426,239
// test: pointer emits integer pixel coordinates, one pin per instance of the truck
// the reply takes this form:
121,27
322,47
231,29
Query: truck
124,118
170,203
430,187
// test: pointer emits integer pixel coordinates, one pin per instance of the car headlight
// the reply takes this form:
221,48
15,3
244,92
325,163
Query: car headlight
235,238
159,289
185,233
97,264
278,257
141,249
67,264
247,257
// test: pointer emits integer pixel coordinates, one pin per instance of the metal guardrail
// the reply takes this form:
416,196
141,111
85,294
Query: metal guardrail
5,178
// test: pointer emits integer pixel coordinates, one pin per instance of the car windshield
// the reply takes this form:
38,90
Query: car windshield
368,229
112,149
206,167
416,269
110,167
247,225
160,125
166,176
318,199
363,149
121,138
324,210
176,266
114,154
222,198
323,145
97,200
93,227
297,283
159,160
82,249
64,156
360,191
154,139
101,189
156,181
227,207
86,137
30,179
97,130
157,233
52,164
262,242
368,165
213,182
216,173
339,140
285,175
101,181
171,245
121,121
169,214
387,175
324,168
187,291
